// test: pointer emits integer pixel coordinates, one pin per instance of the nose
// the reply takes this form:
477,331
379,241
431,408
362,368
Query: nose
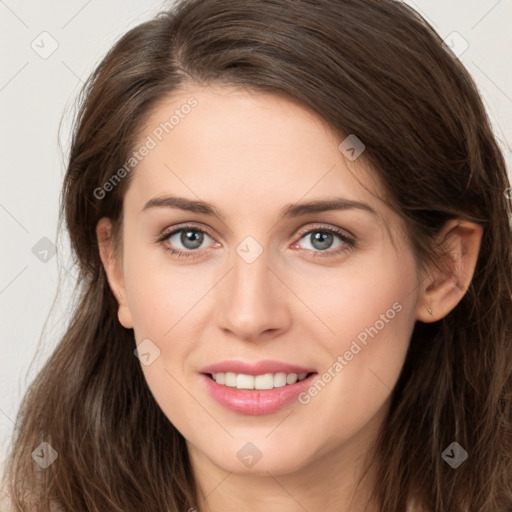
254,302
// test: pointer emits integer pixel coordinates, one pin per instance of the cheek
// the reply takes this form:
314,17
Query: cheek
160,294
372,320
372,309
161,299
374,293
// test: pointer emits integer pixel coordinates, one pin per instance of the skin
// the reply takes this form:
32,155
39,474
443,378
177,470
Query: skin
250,154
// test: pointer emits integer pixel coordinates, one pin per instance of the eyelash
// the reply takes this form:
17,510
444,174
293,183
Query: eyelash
350,243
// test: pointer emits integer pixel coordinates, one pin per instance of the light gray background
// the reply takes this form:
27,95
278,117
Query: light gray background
36,92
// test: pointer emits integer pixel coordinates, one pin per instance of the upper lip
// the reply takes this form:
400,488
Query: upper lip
255,368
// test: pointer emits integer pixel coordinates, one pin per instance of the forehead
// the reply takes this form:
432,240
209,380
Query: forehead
237,133
238,124
244,150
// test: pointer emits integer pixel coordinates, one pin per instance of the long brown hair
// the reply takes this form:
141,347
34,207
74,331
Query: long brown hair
373,68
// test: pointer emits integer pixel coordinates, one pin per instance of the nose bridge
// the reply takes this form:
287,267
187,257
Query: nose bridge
250,277
254,302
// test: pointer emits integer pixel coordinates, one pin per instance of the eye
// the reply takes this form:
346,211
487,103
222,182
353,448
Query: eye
321,238
184,241
190,238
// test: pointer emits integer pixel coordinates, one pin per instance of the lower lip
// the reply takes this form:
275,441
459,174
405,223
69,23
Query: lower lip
254,401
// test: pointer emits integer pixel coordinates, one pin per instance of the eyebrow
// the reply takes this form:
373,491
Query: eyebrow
289,211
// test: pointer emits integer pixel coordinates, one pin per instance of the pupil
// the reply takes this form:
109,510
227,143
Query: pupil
322,240
191,239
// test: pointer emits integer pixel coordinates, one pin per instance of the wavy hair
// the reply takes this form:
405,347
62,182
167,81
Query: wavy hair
374,68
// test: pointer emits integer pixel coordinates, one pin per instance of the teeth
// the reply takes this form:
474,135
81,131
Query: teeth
230,380
265,381
244,381
291,378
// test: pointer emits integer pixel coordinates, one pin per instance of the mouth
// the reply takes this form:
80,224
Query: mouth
256,394
260,382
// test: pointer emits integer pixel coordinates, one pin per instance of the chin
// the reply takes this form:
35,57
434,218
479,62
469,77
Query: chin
259,456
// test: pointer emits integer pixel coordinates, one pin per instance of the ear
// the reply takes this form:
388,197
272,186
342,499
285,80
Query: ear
459,247
113,268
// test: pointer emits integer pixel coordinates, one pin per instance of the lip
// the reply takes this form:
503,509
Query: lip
255,402
258,368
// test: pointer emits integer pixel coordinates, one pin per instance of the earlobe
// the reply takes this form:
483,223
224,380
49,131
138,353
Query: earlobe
113,270
459,248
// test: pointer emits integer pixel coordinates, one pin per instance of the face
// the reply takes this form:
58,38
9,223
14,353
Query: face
258,290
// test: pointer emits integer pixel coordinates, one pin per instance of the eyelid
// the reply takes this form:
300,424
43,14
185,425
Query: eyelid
330,228
172,230
166,233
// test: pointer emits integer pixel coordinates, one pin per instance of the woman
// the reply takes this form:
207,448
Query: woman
292,227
